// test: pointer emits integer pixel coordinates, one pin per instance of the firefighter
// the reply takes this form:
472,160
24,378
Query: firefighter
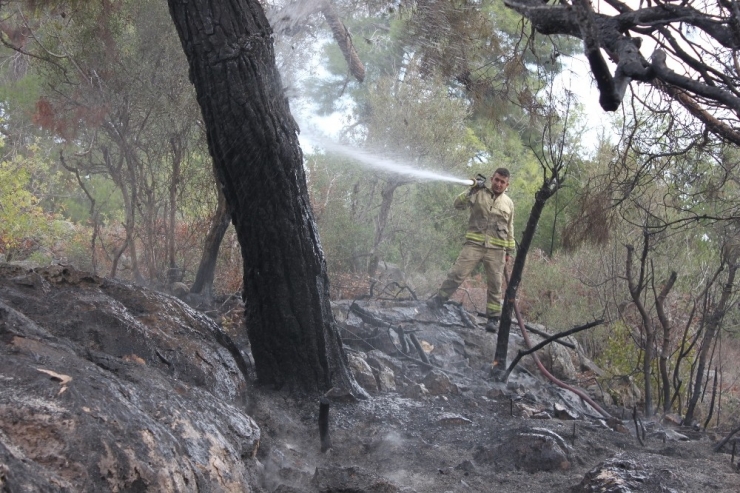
489,239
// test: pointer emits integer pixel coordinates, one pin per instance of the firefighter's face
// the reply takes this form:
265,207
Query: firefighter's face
499,183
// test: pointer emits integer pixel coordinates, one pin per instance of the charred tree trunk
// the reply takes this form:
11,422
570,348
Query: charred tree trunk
636,288
177,152
344,40
203,283
380,223
712,327
547,190
253,140
665,351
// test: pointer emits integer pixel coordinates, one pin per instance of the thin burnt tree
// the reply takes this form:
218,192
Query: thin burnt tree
555,156
712,324
203,283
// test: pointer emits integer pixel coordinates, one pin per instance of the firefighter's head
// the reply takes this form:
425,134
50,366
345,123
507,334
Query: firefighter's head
500,180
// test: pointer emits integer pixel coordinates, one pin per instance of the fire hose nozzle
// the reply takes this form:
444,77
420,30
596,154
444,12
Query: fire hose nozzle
479,181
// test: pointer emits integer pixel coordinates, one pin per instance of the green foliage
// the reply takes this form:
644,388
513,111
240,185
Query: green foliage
26,230
620,355
117,101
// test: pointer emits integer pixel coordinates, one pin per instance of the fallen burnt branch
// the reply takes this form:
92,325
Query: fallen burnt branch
371,319
402,338
422,355
429,365
726,439
465,317
367,317
545,334
547,341
386,290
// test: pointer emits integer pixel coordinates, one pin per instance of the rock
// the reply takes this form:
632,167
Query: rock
624,391
617,425
674,419
533,450
363,373
559,361
388,272
597,393
116,388
588,365
438,383
496,392
378,359
614,476
339,394
415,391
668,435
465,466
382,366
179,289
562,412
525,410
386,380
537,451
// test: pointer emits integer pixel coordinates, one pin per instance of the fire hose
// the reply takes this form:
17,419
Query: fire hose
542,368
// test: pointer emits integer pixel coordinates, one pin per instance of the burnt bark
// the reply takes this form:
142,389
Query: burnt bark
253,140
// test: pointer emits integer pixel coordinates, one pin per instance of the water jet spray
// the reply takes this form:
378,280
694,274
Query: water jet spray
386,164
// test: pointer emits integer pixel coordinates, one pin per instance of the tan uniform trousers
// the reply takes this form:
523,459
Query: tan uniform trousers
470,256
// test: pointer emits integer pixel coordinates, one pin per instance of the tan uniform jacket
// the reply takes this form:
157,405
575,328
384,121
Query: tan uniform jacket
491,222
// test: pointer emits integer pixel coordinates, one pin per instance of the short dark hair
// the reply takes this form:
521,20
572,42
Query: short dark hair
503,172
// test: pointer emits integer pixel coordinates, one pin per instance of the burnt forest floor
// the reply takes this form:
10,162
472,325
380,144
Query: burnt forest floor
474,439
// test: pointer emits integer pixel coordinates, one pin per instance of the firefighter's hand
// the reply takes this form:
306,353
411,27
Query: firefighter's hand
509,258
479,183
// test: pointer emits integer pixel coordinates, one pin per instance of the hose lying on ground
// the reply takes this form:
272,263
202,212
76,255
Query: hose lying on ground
546,373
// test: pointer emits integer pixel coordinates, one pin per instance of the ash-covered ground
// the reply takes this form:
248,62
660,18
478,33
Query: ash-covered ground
106,386
448,426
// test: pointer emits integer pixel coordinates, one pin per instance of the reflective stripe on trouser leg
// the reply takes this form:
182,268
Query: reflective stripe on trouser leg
493,309
468,259
493,261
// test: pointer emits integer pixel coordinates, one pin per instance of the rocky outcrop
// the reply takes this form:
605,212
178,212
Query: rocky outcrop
107,387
